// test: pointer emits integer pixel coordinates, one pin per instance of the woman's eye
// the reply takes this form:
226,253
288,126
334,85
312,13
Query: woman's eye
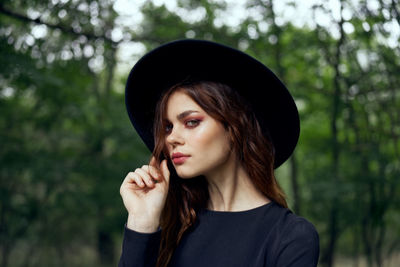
189,123
192,123
168,128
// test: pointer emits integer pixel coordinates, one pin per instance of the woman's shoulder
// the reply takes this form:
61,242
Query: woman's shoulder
288,223
293,235
298,229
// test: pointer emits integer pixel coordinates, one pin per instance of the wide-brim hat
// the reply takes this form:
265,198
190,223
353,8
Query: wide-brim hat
179,60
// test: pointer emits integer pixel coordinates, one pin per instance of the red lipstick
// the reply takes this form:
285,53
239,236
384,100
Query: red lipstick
179,158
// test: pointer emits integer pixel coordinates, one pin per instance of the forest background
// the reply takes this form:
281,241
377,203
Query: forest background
66,142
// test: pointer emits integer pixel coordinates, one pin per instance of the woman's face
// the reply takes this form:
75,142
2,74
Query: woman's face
192,132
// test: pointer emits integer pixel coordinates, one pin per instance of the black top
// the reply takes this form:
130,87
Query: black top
269,235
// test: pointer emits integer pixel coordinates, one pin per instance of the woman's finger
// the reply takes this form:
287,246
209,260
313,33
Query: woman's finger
153,171
165,170
134,178
153,161
145,176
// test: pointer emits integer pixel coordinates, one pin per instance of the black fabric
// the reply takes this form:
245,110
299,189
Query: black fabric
267,236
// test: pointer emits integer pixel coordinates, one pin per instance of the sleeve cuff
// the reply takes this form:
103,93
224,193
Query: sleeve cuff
139,249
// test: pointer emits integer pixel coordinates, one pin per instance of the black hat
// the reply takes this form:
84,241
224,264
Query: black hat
179,60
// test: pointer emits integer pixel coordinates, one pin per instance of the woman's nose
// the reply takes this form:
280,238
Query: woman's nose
175,137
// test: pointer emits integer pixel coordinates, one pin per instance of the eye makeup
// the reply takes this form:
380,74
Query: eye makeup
192,123
189,123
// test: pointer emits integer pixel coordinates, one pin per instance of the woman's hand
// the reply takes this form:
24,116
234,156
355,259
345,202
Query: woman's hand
144,192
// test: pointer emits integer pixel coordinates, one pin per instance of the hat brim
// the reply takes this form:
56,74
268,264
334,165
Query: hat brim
176,61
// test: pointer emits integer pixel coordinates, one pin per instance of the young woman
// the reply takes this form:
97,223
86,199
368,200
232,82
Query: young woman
218,123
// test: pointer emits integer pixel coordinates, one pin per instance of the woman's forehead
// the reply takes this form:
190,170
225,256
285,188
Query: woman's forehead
181,103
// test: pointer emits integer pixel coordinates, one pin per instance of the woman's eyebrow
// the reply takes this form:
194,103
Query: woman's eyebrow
186,113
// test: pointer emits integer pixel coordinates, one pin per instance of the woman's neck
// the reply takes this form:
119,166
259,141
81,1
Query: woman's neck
231,189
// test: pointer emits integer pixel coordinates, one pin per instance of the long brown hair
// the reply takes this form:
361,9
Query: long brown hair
186,196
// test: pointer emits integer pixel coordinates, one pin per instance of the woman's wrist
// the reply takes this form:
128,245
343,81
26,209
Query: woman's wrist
145,226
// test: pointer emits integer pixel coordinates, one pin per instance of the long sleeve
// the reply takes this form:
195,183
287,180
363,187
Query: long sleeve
299,246
139,249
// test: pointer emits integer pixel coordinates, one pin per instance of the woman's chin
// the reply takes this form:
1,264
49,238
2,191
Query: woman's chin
185,174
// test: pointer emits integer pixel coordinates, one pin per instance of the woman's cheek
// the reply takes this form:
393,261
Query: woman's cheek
202,137
206,133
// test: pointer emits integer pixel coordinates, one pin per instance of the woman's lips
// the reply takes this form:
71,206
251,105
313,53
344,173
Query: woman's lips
180,160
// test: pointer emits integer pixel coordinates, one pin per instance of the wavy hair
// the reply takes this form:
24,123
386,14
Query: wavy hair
187,196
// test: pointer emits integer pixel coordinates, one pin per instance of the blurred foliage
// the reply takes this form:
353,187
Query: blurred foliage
67,143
